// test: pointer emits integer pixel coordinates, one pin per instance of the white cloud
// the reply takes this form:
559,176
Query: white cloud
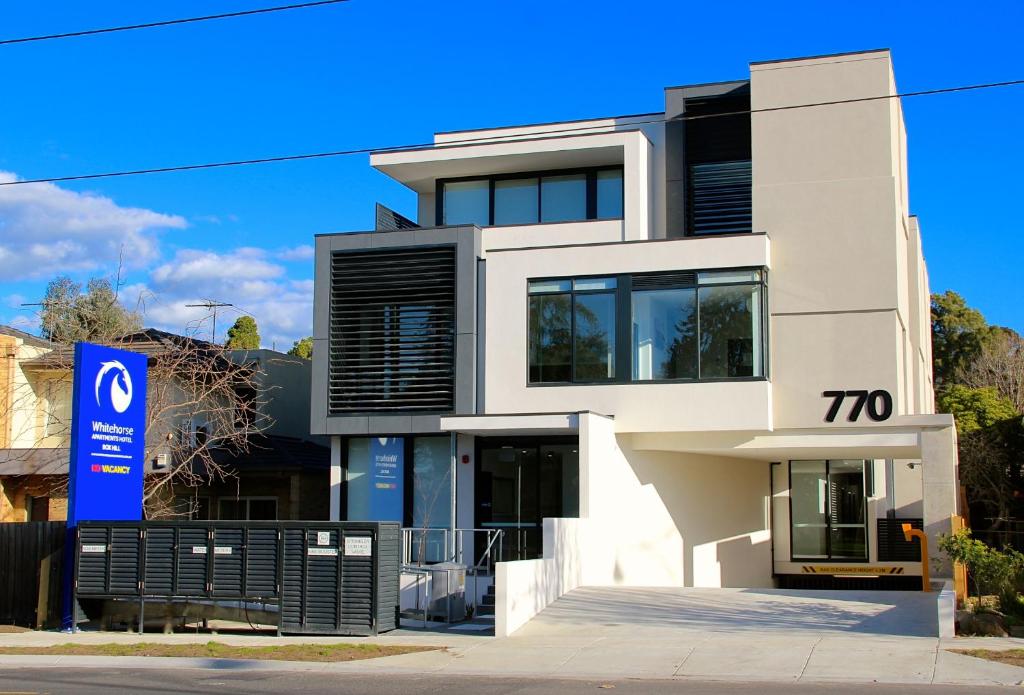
283,307
46,230
305,252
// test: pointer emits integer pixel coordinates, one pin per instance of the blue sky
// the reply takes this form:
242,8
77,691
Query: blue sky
371,73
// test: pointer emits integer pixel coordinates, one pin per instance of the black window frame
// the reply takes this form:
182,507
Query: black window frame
591,202
869,488
624,318
615,292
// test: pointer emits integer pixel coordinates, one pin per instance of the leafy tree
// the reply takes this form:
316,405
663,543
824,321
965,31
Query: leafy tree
70,315
303,348
243,335
975,408
959,334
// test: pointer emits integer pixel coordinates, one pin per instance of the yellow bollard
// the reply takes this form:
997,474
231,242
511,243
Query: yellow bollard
910,532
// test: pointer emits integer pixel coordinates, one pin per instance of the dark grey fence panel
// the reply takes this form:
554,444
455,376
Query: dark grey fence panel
31,562
324,577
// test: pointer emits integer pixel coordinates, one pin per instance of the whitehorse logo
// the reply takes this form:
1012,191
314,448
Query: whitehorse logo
120,386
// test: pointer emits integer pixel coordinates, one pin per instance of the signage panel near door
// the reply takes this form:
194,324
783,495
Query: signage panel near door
387,470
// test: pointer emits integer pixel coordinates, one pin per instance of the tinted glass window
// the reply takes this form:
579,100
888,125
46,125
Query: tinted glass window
550,338
809,499
595,337
515,201
467,202
665,334
730,331
609,194
563,198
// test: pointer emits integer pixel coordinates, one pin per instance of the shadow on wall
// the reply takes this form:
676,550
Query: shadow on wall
718,506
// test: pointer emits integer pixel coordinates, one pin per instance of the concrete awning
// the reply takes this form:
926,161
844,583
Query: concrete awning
34,461
899,438
498,153
513,425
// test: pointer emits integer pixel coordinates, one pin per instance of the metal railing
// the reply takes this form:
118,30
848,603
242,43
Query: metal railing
420,549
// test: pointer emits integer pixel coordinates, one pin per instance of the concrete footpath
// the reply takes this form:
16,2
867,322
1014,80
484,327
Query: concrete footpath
598,634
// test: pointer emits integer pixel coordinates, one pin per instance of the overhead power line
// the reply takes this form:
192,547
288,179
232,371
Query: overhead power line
170,22
485,139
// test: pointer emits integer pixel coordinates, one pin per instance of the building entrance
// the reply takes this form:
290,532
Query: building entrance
519,482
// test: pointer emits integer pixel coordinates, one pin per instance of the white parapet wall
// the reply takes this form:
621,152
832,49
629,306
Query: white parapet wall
524,588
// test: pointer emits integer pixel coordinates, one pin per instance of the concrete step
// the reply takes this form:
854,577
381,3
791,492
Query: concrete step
484,609
487,600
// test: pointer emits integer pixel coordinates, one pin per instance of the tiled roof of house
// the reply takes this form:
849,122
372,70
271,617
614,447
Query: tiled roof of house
27,337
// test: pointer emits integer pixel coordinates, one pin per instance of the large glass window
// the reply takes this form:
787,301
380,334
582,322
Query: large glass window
706,325
563,198
515,201
528,198
467,202
730,325
609,194
828,504
572,330
432,497
358,479
665,334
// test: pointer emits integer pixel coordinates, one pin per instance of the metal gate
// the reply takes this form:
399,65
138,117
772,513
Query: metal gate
321,577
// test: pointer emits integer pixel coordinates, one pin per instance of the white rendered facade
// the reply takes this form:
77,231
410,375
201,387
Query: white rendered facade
687,480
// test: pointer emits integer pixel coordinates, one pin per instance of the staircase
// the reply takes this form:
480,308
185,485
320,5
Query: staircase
486,606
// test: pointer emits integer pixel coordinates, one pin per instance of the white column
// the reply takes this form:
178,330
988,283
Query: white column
939,488
336,478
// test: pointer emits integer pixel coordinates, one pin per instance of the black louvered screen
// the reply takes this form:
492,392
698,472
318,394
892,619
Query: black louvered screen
654,281
160,561
392,331
719,197
124,561
193,556
228,561
94,548
892,546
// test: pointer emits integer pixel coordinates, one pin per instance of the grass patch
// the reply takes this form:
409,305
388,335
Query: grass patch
1013,657
218,650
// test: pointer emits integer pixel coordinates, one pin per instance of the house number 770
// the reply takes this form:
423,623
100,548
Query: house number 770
879,404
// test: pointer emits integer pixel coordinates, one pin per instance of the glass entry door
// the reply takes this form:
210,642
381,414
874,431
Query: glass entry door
828,504
518,484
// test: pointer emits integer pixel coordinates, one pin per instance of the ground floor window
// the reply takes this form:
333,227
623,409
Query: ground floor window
828,509
247,509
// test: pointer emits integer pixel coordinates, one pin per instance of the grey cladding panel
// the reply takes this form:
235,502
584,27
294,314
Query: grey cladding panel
391,337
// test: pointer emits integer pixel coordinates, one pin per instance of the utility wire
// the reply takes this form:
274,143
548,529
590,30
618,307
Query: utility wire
170,22
485,139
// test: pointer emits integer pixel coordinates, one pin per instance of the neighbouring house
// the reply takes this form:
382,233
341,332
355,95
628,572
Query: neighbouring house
696,339
278,471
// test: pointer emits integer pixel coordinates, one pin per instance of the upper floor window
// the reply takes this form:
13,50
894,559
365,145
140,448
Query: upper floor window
682,325
572,330
558,196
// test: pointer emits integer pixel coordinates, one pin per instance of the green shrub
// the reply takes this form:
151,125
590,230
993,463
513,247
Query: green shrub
991,572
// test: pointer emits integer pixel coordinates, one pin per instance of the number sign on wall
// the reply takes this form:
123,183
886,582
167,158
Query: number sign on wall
877,404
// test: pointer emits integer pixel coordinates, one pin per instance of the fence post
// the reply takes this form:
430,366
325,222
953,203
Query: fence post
957,523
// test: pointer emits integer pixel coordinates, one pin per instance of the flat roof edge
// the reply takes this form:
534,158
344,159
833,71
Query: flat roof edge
543,123
823,55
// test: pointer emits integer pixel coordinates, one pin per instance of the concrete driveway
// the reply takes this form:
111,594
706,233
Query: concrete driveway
741,611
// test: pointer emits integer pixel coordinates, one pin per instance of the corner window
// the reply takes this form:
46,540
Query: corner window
572,330
828,508
532,197
705,325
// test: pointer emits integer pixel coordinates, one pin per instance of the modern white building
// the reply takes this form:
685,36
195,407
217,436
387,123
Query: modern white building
697,340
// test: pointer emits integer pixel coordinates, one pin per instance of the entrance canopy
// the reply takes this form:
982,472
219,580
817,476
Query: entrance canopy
526,425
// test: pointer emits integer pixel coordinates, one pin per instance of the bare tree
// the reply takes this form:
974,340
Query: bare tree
202,409
1001,366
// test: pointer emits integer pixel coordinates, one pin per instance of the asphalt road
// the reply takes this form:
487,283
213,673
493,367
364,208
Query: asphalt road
101,681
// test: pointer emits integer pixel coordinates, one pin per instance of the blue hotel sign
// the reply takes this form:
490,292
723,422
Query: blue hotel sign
387,470
108,435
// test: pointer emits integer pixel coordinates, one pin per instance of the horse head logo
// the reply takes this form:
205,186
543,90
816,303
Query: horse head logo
119,392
